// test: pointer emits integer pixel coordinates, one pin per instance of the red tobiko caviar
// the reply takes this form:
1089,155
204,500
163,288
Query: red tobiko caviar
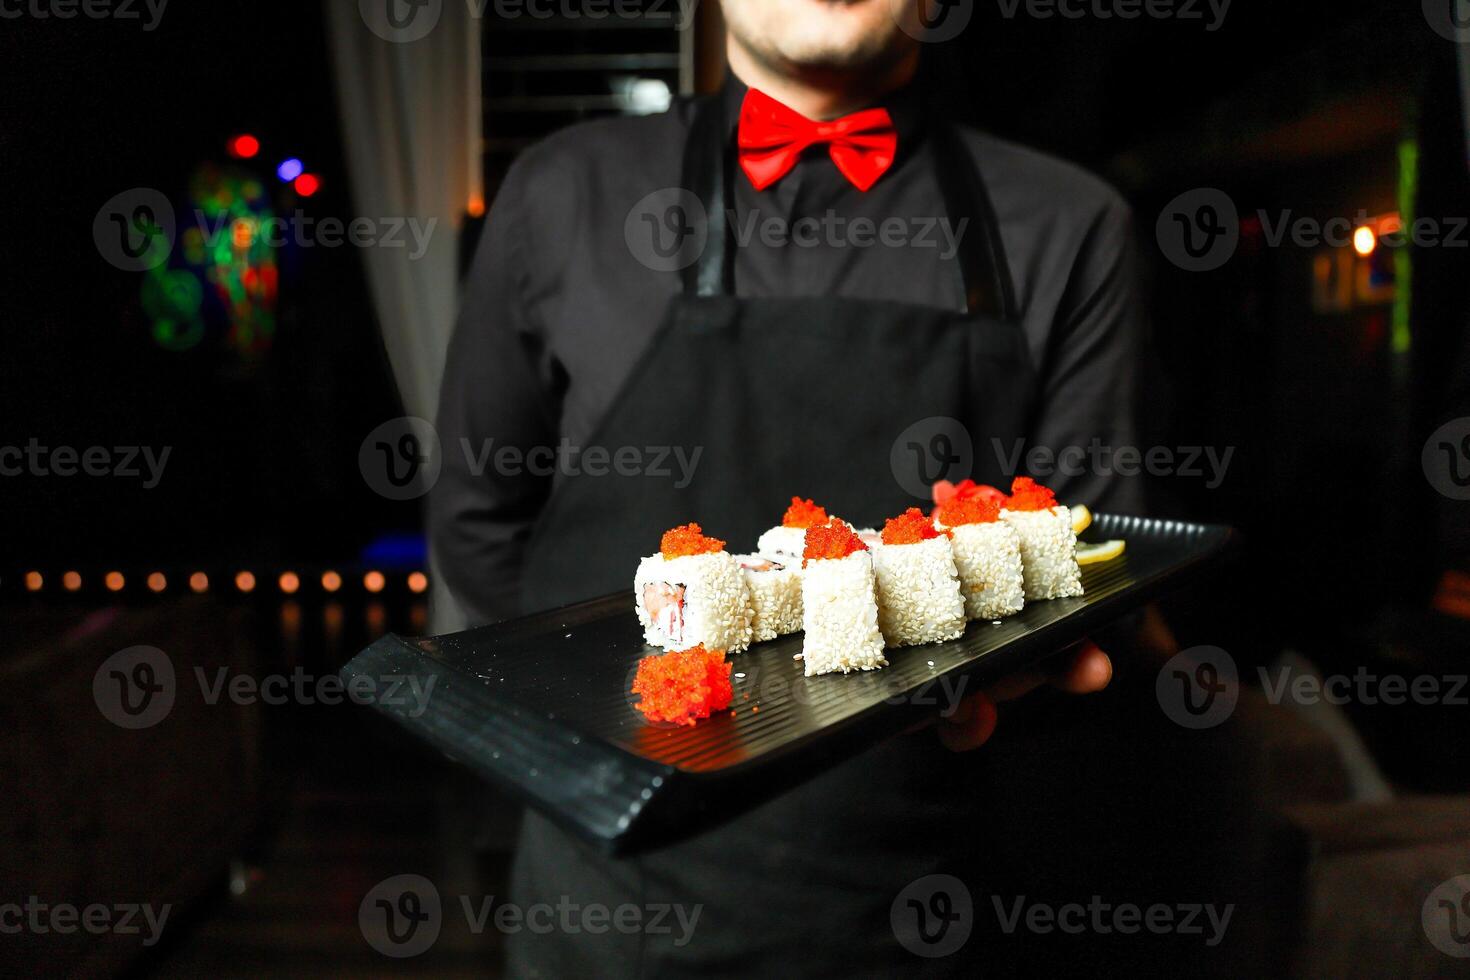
834,539
910,527
1027,494
803,513
688,539
969,510
683,686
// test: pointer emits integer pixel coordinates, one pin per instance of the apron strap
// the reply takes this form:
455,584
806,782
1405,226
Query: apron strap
985,276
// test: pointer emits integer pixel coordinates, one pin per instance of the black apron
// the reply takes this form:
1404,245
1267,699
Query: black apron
784,396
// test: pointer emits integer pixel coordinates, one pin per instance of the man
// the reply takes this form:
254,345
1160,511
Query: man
787,367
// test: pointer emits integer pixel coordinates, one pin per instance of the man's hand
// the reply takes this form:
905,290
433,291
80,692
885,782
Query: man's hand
1081,669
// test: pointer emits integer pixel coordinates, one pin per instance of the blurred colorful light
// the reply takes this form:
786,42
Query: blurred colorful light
418,582
307,184
71,581
374,581
34,581
331,581
157,582
289,582
115,581
290,169
199,582
244,146
1364,241
245,581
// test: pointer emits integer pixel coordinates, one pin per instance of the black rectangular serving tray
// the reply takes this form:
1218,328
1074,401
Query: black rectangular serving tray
542,705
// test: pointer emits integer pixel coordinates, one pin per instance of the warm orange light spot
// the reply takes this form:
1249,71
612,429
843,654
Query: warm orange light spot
71,581
1365,241
157,582
331,581
289,582
245,581
476,207
242,233
34,581
418,582
199,582
374,581
115,581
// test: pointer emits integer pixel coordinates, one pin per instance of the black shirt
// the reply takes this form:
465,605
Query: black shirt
558,306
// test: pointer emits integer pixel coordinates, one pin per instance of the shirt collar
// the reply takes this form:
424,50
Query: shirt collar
906,106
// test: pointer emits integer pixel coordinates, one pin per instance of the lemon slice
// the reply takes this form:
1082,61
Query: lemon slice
1091,554
1081,518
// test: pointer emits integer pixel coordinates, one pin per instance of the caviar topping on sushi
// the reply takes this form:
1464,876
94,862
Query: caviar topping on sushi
944,491
1027,494
803,514
910,527
834,539
683,686
689,539
959,511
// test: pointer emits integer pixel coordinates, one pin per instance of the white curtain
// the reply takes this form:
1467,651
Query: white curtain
410,114
411,122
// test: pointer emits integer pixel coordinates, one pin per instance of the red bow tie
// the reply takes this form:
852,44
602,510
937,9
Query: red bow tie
772,137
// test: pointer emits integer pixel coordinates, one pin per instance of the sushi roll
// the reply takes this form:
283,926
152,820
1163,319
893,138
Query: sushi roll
775,594
1048,543
839,608
693,593
918,588
987,554
789,537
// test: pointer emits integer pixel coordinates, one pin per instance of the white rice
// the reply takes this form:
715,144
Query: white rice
782,540
988,557
716,610
1048,552
775,594
918,592
840,616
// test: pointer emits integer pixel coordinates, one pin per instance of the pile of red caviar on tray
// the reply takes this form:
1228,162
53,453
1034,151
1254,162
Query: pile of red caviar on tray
834,539
910,527
803,514
1027,494
683,686
689,539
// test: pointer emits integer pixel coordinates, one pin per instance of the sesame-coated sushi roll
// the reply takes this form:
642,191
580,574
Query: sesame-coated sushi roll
693,593
918,589
839,608
987,554
1048,543
789,537
775,594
